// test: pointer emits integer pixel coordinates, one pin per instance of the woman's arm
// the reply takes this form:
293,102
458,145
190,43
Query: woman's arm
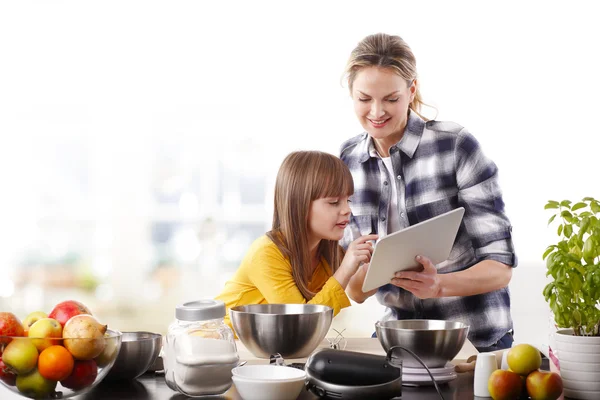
483,277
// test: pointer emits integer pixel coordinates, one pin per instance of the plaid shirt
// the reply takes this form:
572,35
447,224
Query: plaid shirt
438,166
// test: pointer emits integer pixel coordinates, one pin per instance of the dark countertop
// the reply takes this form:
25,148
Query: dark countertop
152,387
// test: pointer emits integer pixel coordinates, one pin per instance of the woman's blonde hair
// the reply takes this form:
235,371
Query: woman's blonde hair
303,177
385,51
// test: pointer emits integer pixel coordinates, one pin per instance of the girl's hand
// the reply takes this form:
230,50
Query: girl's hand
424,284
359,251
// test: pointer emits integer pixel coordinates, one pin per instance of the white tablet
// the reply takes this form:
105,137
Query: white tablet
432,238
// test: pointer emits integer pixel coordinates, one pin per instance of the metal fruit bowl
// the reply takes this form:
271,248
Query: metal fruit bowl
292,330
43,363
138,352
435,342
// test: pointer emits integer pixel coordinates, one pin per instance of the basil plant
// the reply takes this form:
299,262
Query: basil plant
574,265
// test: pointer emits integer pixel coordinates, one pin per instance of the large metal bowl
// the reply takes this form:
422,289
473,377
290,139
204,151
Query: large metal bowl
138,352
435,342
292,330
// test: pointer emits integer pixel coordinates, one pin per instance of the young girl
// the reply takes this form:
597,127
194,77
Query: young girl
300,260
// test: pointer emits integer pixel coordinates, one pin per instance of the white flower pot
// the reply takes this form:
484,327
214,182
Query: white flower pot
579,358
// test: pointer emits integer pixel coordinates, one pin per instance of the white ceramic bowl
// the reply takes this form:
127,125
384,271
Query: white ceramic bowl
268,382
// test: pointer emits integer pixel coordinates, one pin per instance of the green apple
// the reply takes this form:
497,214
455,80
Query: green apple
45,328
35,385
20,356
32,318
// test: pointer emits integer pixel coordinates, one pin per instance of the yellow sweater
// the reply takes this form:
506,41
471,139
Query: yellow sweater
265,277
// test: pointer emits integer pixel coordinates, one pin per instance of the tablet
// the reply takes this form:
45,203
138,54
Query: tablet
432,238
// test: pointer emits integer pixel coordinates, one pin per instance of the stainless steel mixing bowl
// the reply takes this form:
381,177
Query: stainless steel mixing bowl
138,352
435,342
292,330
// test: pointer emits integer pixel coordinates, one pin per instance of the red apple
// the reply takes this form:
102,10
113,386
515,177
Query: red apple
10,325
64,311
505,385
84,374
543,385
6,375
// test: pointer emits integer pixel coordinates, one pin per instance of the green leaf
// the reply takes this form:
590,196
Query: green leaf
568,230
565,203
551,219
588,199
588,250
583,227
548,290
595,207
550,205
548,251
560,229
578,206
575,251
550,261
567,216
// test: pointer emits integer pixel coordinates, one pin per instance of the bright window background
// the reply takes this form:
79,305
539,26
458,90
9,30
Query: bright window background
140,140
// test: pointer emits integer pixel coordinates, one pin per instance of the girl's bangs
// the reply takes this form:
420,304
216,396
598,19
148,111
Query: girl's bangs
334,180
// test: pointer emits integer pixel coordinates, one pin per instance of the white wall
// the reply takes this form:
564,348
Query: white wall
522,76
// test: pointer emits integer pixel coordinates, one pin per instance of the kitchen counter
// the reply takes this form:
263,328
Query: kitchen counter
152,387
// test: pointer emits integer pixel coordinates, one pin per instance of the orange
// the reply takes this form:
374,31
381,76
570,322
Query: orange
55,363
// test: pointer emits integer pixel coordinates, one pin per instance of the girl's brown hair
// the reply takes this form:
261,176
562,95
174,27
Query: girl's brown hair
303,177
386,51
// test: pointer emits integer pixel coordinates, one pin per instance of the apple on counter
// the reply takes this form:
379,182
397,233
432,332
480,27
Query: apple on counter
505,385
524,377
543,385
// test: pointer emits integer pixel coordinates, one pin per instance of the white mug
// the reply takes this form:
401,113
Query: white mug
484,366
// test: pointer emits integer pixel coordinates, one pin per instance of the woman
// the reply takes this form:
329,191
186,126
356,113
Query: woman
407,169
300,260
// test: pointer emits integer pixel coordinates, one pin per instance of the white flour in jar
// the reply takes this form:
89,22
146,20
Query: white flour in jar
201,366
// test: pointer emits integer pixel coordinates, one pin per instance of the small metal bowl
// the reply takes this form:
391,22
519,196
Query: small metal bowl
436,342
138,352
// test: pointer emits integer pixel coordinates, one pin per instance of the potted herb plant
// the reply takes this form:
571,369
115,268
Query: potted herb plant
573,264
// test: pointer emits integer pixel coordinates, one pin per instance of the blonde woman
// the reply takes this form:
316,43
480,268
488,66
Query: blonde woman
407,169
300,260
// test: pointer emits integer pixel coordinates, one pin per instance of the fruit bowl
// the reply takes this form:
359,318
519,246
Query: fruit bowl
45,368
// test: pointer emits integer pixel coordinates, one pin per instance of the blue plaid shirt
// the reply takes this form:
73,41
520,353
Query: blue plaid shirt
437,167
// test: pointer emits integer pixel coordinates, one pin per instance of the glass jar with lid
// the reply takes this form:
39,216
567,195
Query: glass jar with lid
200,349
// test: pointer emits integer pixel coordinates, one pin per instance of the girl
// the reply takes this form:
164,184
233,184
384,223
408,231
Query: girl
300,260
